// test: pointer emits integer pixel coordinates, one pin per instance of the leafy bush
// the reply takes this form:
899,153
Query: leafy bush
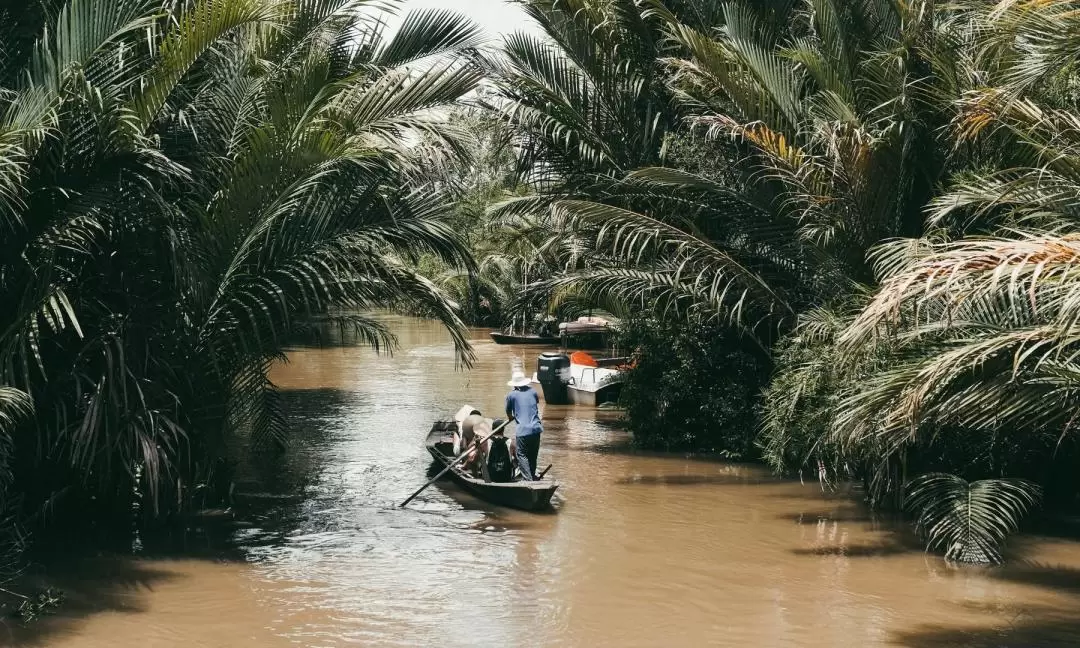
799,402
693,387
15,407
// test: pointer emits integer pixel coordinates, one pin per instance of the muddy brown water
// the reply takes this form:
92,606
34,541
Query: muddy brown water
643,549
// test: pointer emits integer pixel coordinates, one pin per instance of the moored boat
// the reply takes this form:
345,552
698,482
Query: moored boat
579,378
586,333
510,338
592,383
524,495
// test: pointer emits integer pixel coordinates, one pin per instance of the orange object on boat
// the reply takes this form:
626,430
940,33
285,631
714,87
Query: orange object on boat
582,358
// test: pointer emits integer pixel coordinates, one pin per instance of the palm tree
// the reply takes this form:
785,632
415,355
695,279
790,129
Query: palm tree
964,357
175,220
981,329
506,265
588,101
820,139
80,172
585,104
506,258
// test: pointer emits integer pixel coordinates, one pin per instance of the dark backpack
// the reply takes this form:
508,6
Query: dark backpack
498,461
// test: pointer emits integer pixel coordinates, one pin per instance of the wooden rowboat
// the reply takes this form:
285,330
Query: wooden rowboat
507,338
524,495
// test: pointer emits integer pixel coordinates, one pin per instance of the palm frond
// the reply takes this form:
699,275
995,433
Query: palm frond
426,33
196,31
84,29
969,520
26,118
15,406
633,236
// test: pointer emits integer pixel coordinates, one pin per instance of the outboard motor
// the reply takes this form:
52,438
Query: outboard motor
553,374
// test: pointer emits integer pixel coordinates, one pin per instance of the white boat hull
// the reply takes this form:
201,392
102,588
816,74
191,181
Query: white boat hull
608,393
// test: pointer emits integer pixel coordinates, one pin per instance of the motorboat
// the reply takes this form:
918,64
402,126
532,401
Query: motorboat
579,378
586,333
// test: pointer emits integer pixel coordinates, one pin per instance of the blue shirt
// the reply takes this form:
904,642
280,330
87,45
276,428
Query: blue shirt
524,405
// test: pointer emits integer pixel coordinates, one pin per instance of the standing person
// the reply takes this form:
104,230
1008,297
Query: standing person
523,405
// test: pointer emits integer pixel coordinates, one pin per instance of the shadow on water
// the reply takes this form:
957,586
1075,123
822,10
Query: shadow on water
1058,577
1029,626
849,515
869,550
694,480
275,494
841,493
553,442
899,539
1033,628
103,585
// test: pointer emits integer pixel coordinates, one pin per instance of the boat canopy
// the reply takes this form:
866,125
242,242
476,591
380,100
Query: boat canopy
585,325
582,358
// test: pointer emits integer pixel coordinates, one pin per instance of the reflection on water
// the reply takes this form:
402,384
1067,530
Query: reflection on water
644,550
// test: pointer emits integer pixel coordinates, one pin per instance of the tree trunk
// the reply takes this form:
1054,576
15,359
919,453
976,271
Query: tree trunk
474,299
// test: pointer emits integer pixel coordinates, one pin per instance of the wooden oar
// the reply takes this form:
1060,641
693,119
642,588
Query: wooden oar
542,473
454,463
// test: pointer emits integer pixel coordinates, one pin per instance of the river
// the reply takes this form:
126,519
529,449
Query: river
642,550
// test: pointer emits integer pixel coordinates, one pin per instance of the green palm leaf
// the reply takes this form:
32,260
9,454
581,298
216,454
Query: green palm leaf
85,29
633,236
427,33
196,31
15,406
969,520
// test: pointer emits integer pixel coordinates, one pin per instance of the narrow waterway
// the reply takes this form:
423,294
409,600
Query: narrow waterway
643,550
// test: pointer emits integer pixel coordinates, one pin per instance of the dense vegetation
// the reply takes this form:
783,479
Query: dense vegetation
183,187
867,208
694,386
882,194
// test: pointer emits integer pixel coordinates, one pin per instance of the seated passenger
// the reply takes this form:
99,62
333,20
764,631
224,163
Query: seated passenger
462,414
474,428
497,456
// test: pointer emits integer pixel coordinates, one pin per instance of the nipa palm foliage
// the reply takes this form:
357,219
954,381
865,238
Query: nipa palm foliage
507,259
983,328
501,277
586,104
821,130
588,101
15,407
965,357
183,187
969,520
820,139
